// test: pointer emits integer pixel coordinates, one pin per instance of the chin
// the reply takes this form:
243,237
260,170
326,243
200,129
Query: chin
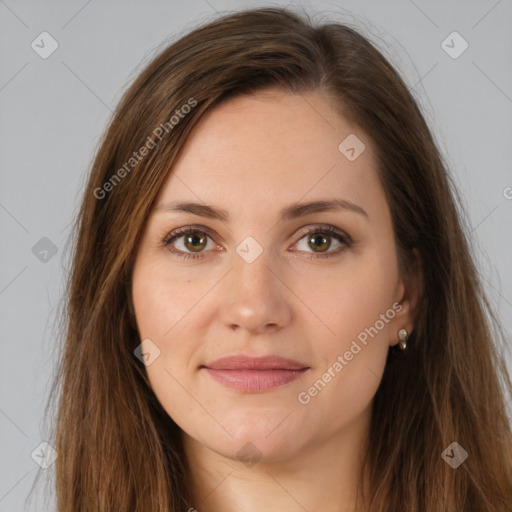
265,439
253,450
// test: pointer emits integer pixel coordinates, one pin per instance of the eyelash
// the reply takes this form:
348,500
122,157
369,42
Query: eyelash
343,238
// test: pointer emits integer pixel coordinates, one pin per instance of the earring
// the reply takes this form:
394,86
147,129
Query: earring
403,335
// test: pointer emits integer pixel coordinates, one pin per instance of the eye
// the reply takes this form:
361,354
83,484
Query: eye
190,239
320,239
194,241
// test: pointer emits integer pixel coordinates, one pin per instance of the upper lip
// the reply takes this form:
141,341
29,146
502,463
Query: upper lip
241,362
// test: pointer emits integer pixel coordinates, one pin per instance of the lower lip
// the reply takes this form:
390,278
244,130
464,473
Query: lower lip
253,381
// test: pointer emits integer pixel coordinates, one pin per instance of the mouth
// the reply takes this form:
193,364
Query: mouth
255,374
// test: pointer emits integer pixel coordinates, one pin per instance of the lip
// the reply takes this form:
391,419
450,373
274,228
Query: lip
243,362
254,374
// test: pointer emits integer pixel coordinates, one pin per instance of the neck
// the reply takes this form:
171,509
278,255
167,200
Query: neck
321,476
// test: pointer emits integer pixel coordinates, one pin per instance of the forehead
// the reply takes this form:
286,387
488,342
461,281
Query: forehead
254,153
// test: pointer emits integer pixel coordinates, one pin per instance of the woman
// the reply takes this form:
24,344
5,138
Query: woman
272,304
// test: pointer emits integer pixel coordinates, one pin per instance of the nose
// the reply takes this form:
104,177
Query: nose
254,297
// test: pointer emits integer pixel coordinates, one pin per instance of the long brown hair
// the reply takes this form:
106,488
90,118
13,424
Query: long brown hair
117,448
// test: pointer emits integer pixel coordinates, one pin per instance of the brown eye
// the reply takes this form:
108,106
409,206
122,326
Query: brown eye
323,241
195,242
189,242
319,242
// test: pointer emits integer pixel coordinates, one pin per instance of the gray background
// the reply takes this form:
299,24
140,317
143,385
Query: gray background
54,110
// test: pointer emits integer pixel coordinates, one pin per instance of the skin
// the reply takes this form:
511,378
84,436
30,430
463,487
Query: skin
252,156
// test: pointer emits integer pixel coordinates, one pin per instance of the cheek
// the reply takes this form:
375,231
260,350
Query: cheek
162,296
166,302
355,305
159,311
350,298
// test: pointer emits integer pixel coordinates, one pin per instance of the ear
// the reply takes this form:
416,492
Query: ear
408,294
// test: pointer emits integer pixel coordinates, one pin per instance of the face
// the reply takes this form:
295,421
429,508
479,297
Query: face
304,301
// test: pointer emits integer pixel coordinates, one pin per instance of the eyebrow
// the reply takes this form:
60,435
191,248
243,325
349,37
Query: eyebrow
288,213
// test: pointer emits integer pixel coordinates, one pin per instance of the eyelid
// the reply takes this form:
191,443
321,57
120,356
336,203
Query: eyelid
182,231
342,236
175,233
324,228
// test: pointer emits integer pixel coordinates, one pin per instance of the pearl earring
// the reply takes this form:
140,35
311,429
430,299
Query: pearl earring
403,335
